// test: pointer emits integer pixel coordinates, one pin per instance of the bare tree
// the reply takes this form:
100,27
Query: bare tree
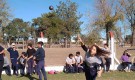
128,8
108,14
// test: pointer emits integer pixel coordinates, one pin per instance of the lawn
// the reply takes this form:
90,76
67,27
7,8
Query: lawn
80,76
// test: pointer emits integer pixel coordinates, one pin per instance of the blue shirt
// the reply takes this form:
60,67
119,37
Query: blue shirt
13,54
1,55
40,54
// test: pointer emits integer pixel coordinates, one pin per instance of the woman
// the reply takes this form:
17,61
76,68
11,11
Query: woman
92,61
125,61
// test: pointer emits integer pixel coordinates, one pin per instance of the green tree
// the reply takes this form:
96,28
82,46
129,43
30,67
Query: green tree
17,29
67,11
51,24
108,14
5,15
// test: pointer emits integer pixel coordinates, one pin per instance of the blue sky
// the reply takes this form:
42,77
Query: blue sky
29,9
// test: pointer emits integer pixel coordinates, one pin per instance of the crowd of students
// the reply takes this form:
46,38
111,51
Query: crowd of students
32,60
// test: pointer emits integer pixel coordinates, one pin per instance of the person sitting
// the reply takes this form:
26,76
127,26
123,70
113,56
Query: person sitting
21,63
125,61
70,64
79,62
6,66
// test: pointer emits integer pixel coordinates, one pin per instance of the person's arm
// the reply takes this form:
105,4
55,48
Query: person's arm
81,60
36,54
2,52
74,61
9,49
82,44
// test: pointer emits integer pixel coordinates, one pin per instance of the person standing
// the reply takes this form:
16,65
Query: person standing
1,60
107,58
30,52
14,57
40,55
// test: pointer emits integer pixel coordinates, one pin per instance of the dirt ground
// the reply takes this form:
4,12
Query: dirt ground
57,56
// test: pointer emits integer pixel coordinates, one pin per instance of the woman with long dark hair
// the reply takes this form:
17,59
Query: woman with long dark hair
92,61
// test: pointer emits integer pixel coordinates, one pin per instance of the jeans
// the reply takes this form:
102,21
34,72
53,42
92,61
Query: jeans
41,68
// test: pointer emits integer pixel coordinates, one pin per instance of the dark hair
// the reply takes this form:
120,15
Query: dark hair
41,43
3,54
106,44
99,51
29,44
78,52
23,53
70,55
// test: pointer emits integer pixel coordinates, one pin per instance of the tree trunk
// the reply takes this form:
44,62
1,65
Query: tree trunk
107,36
133,36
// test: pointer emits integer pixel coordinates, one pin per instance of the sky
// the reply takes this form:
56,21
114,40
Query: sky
29,9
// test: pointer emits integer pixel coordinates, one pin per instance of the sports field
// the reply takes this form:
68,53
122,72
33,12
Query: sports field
80,76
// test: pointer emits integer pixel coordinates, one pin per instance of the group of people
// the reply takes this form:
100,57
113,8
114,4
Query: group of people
74,64
32,60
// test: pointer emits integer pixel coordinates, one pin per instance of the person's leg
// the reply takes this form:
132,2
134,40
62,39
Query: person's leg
1,67
39,66
87,72
28,69
16,68
8,71
43,71
31,66
108,63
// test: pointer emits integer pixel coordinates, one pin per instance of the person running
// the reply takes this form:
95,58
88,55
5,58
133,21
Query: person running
30,52
79,62
6,65
14,56
40,57
92,61
1,60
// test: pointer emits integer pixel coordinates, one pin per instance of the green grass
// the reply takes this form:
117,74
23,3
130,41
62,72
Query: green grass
80,76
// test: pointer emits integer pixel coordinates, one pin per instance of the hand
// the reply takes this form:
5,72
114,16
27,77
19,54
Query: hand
79,38
99,73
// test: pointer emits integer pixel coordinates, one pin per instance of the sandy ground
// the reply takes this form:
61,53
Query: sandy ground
57,56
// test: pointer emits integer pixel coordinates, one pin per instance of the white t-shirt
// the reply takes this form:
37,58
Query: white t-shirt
78,59
70,61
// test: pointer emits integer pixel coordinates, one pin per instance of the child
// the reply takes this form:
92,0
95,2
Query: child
70,63
21,63
6,66
92,61
79,62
